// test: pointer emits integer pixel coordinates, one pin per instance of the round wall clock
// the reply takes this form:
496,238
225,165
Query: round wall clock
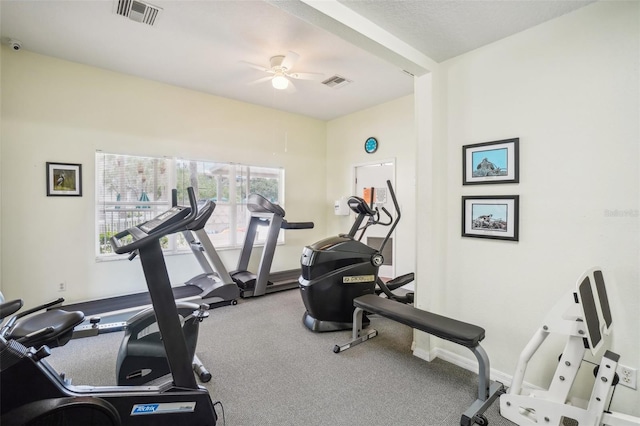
371,145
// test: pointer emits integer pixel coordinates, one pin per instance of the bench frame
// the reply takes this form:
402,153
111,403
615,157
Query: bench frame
488,391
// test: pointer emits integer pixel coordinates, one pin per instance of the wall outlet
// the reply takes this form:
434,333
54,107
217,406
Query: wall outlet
62,286
628,376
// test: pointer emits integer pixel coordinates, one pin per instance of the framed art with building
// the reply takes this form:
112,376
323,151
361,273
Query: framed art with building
491,162
490,216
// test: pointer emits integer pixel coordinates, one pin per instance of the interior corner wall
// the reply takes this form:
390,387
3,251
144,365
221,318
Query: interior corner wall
54,110
569,90
392,123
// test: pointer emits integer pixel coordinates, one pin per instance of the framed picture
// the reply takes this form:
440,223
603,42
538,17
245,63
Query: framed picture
490,216
491,162
64,179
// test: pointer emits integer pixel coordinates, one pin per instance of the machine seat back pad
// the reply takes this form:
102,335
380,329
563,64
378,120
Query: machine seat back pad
455,331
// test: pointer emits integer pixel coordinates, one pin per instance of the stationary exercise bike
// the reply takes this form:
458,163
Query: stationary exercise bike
141,357
33,393
338,269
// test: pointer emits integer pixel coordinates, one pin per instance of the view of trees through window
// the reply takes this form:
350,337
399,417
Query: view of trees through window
134,189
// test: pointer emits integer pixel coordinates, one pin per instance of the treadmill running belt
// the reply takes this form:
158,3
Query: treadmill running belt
110,304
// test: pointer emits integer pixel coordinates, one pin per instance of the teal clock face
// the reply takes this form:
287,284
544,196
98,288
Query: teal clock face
371,145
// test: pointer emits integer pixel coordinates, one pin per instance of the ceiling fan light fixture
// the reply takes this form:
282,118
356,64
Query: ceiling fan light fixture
280,82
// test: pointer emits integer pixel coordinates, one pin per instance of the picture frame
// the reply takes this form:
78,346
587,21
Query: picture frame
491,216
64,179
491,162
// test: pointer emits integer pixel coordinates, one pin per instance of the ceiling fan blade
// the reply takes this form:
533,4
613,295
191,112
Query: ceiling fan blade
260,80
258,67
289,61
306,75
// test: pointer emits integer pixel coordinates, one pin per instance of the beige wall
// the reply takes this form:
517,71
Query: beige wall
53,110
569,89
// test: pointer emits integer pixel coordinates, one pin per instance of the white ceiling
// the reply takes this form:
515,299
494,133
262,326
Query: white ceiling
201,45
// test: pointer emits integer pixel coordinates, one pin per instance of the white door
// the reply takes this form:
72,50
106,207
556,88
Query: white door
375,176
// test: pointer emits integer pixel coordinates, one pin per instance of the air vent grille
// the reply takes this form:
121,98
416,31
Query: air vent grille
138,11
336,81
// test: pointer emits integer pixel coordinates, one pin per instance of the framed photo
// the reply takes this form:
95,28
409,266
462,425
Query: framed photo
489,216
491,162
64,179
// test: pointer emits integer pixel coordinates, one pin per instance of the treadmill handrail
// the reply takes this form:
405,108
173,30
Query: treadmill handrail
296,225
144,238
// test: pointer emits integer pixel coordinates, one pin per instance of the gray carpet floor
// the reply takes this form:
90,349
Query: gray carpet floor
268,369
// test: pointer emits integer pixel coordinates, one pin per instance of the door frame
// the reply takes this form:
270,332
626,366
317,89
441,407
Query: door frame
392,162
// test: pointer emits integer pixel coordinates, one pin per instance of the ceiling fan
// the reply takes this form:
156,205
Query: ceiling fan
280,72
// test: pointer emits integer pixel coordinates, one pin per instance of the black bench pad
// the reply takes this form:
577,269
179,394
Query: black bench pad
455,331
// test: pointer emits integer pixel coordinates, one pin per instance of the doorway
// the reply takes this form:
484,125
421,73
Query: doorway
375,175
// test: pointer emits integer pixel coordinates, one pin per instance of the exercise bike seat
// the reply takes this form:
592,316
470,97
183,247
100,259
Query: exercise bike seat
52,328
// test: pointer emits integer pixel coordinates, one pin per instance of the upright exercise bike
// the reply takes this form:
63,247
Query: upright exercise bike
33,393
338,269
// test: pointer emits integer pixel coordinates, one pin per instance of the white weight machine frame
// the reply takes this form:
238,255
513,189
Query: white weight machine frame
585,317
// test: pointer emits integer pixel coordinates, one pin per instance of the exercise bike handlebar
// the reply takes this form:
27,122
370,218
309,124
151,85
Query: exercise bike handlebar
142,239
380,222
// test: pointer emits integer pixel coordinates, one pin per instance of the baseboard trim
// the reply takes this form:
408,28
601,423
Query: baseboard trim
463,362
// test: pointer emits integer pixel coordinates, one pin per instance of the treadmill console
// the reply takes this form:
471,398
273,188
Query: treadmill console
171,216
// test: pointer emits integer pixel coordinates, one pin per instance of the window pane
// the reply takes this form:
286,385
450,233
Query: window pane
130,190
134,189
228,185
265,181
210,181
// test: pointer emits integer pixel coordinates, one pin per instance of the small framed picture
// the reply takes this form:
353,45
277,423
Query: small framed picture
491,162
491,216
64,179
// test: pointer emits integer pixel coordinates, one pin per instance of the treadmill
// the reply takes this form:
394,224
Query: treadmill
265,213
215,281
215,287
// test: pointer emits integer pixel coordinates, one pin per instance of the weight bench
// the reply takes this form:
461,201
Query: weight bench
455,331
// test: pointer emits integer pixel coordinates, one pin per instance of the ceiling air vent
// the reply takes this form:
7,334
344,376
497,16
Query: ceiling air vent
138,11
336,81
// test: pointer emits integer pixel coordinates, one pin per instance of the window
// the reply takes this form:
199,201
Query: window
132,190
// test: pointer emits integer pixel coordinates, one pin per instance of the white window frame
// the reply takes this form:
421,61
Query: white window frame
233,204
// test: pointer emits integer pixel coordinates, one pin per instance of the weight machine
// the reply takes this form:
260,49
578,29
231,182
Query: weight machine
585,318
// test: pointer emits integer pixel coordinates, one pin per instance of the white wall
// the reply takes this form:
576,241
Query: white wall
53,110
392,123
569,89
